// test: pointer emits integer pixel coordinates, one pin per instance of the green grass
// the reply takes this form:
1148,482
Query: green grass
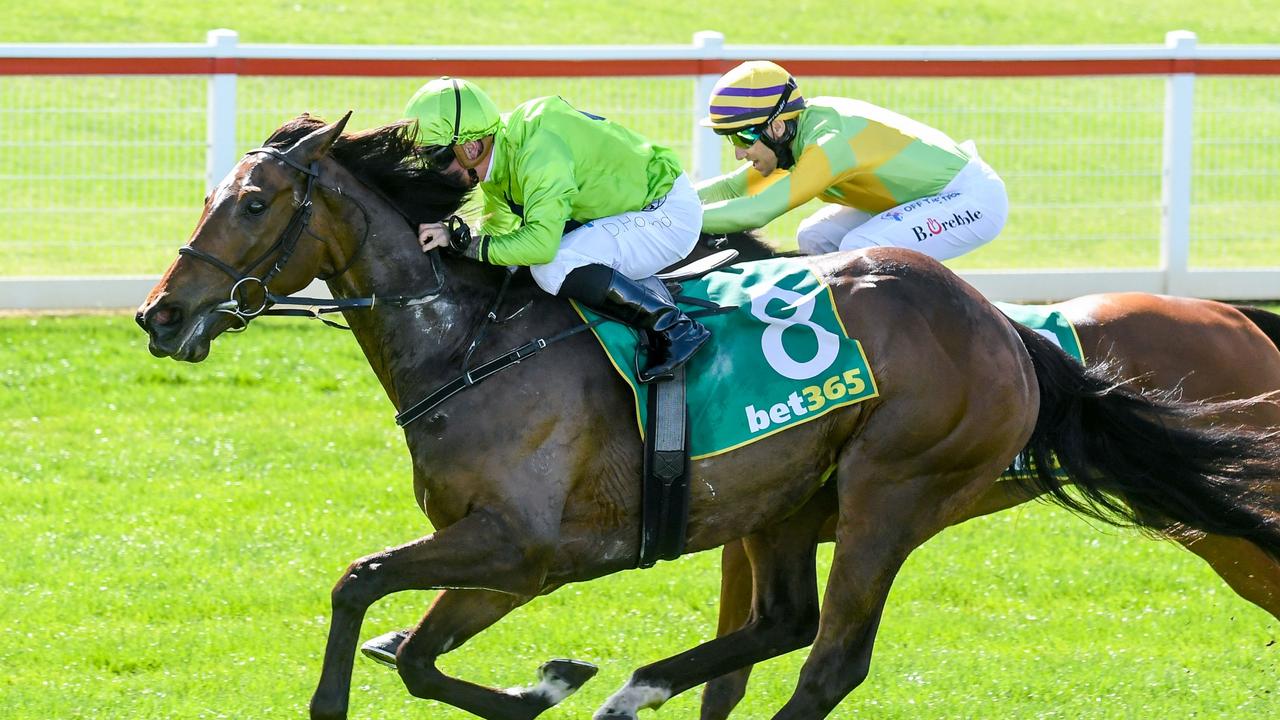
105,175
172,533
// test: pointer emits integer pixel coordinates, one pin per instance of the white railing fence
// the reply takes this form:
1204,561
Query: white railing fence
1153,168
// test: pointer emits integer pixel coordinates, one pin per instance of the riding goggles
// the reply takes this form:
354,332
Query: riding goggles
436,157
746,137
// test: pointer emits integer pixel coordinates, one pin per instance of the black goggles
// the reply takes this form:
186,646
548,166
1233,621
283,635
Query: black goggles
436,157
439,157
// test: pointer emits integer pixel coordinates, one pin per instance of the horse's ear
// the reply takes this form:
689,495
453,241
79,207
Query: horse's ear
317,144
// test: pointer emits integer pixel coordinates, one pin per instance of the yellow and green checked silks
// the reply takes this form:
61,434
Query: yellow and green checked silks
849,153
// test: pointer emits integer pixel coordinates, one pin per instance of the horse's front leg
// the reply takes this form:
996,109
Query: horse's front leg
457,616
483,550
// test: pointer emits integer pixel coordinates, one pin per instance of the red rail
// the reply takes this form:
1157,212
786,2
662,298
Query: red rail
365,67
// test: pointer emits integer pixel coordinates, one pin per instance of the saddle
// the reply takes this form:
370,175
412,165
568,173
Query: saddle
700,267
779,356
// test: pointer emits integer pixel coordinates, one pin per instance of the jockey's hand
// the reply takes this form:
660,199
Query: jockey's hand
454,235
433,235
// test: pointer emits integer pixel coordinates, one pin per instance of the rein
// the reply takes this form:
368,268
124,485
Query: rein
316,307
471,377
237,305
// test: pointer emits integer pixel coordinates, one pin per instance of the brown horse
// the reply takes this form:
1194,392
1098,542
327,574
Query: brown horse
531,477
1204,349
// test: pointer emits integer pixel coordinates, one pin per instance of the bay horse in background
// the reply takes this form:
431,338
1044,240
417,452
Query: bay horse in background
531,479
1203,349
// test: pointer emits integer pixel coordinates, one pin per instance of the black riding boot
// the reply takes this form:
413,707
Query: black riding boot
673,336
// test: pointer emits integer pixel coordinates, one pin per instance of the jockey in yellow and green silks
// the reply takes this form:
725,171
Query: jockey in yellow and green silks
887,179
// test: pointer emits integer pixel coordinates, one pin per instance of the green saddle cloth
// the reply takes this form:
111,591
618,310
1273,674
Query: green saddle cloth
780,359
1049,323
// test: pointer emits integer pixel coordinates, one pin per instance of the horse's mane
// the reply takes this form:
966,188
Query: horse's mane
385,159
749,244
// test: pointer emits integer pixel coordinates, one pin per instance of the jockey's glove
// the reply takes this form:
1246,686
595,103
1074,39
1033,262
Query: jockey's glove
464,243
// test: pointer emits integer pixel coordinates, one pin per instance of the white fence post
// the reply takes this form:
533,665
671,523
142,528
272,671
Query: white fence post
220,132
706,144
1175,193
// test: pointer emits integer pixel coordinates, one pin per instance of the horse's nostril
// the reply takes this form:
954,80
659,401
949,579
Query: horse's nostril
163,317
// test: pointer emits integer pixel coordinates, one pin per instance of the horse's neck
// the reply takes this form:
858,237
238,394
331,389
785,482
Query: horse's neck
414,347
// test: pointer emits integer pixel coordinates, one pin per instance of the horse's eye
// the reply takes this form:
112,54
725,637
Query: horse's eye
255,207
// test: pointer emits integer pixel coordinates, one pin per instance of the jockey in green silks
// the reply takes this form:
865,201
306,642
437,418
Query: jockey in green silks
887,179
589,205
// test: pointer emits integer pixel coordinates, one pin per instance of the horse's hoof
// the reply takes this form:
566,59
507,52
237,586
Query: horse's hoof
382,649
560,678
612,714
328,708
573,673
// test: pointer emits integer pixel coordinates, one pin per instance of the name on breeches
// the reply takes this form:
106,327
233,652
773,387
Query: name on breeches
933,226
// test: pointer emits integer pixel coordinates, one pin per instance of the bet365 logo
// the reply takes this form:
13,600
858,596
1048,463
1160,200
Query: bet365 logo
813,397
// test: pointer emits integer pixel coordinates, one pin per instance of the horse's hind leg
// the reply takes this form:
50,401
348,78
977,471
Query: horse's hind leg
455,617
877,528
784,614
893,495
1247,568
721,695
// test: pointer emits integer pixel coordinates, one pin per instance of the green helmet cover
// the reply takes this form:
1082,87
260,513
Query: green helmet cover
434,107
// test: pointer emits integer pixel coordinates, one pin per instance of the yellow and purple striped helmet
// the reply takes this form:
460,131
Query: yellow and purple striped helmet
754,93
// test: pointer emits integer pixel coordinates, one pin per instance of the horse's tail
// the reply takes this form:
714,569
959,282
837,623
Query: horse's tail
1267,321
1148,461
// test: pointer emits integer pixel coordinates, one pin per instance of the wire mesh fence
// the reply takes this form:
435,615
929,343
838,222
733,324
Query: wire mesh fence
1235,211
105,174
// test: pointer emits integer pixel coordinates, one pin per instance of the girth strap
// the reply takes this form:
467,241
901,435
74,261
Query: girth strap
664,507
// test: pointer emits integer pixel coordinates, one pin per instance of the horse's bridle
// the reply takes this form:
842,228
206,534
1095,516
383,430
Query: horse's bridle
288,241
285,245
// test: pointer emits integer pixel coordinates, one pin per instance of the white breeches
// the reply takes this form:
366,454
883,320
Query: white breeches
970,211
637,244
